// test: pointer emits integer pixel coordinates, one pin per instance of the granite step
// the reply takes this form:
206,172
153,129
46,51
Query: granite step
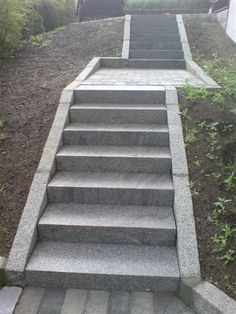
156,54
121,94
142,225
155,37
143,29
157,64
118,113
155,46
103,266
116,134
111,189
128,159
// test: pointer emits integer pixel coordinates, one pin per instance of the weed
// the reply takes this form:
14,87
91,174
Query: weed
230,181
3,135
228,128
194,94
193,189
222,204
190,137
184,113
212,157
197,162
228,257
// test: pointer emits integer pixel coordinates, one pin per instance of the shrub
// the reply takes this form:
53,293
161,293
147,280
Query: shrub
12,20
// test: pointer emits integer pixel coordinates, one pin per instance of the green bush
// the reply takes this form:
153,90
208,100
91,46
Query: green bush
12,20
20,19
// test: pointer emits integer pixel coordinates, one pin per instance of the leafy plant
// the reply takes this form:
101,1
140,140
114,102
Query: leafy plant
228,257
194,94
190,136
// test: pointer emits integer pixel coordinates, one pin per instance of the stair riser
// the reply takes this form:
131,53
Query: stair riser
120,96
144,30
116,138
155,46
108,235
110,196
114,164
162,54
118,116
100,281
153,23
157,64
155,38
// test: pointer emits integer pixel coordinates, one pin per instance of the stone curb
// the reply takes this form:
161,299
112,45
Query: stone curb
183,209
205,298
126,37
26,235
191,66
9,297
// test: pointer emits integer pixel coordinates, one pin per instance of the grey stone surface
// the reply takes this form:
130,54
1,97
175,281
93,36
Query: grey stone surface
161,301
97,302
156,54
111,188
186,233
207,299
126,37
141,302
121,135
52,301
158,36
75,301
30,301
155,46
100,266
9,297
114,159
26,236
123,113
119,302
117,94
149,29
142,77
157,64
108,224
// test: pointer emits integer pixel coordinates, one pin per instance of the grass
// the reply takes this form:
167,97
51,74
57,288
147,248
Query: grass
167,4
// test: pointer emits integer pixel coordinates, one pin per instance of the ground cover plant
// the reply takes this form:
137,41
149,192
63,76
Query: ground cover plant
31,83
202,5
209,123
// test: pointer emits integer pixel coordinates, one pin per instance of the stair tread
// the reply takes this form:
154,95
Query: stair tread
70,214
116,127
114,151
119,106
112,180
124,260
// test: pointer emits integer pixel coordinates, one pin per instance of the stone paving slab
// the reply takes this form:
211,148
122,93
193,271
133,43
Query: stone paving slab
77,301
139,77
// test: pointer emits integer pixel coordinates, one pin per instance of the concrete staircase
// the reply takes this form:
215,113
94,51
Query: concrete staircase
109,223
156,38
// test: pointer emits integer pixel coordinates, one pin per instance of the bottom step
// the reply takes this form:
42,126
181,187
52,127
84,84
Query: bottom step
103,266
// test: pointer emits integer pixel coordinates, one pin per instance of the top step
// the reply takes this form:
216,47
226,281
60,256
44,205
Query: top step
120,94
152,20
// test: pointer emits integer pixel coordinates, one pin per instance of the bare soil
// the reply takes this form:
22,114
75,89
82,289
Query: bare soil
31,82
207,38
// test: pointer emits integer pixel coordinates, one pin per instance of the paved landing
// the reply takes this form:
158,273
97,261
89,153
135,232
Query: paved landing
128,76
73,301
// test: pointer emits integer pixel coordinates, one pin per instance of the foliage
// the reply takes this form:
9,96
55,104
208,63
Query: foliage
167,4
20,19
12,20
